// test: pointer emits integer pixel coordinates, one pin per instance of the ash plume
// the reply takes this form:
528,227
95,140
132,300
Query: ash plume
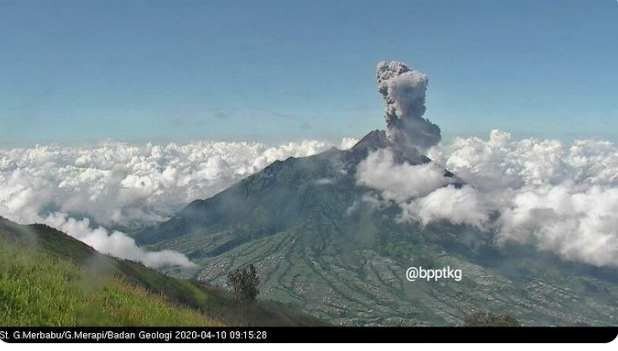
404,90
560,198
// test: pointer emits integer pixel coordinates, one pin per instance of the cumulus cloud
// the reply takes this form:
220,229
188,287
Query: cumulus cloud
560,197
578,224
399,181
82,190
114,243
404,90
456,205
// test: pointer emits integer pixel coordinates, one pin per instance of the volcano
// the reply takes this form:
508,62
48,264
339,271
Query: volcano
330,246
321,244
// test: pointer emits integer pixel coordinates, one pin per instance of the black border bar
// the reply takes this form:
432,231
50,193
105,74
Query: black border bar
308,334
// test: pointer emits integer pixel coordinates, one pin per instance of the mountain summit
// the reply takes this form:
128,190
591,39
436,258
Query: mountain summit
323,241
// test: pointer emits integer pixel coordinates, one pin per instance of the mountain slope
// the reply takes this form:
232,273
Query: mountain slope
322,245
49,278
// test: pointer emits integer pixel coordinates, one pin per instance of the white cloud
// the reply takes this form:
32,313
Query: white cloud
399,182
577,224
347,143
124,184
561,198
457,205
121,184
114,243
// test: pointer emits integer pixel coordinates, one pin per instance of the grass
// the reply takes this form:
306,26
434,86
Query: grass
38,289
50,279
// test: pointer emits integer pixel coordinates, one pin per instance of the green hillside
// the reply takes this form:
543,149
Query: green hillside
50,279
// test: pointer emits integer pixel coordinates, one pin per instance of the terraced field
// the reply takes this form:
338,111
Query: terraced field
364,287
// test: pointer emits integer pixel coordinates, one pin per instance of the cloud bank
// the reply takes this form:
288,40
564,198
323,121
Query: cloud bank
560,197
82,190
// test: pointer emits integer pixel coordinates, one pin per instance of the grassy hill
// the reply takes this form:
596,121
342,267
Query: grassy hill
50,279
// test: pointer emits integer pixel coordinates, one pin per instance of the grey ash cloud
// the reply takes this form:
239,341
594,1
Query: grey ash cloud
403,90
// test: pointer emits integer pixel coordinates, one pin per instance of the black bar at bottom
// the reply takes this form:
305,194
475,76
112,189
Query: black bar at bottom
308,334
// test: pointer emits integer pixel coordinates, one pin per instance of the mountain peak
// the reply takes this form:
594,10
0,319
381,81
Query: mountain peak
378,139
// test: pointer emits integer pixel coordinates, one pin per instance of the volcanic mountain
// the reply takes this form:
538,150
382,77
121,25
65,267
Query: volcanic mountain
322,242
319,243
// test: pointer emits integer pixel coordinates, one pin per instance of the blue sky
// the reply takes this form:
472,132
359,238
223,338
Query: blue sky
85,71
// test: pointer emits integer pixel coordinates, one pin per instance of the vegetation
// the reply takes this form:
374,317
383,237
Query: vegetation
37,289
487,319
244,282
50,279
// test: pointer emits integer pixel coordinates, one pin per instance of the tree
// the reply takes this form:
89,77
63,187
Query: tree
486,319
244,282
